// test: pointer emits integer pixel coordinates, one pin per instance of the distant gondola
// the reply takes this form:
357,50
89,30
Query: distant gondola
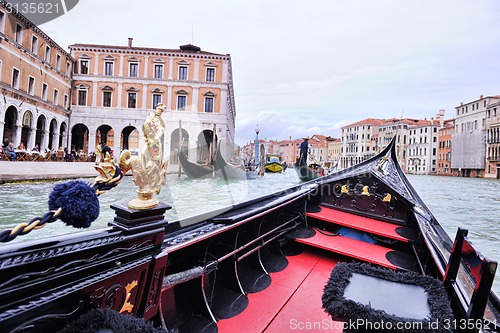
194,170
252,172
305,172
226,170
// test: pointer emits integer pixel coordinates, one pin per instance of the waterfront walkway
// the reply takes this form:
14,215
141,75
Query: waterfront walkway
33,171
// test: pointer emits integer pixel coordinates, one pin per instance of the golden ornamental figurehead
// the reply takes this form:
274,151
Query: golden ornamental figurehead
149,170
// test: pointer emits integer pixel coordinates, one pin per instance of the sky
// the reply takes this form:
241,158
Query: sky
310,67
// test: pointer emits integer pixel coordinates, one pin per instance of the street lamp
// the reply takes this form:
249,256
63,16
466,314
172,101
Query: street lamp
257,131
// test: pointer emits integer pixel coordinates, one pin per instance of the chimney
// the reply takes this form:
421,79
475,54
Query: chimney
130,39
480,96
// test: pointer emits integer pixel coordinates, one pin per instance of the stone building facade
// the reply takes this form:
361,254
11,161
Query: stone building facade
422,148
492,165
35,82
444,148
334,146
114,87
102,93
468,152
359,141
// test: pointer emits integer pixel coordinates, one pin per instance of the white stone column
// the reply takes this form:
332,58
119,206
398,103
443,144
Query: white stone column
68,140
44,142
194,100
92,142
116,144
2,124
119,98
146,66
55,140
94,94
144,96
169,98
196,70
17,137
120,64
96,65
31,138
170,68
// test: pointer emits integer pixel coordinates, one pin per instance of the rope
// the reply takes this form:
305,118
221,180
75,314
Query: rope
101,186
25,228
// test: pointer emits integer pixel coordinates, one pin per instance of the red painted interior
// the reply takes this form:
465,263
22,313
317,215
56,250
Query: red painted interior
359,222
357,249
292,302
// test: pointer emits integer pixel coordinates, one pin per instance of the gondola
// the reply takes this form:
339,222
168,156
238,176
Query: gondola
226,170
252,172
306,172
357,250
219,169
194,170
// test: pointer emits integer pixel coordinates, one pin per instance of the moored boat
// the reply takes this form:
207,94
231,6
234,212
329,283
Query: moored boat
226,170
276,263
192,169
252,172
220,168
274,163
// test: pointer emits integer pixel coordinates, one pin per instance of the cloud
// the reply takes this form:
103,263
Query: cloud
278,125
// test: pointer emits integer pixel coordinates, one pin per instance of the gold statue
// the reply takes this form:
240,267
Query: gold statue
149,170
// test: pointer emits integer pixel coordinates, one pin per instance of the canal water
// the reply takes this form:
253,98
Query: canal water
471,203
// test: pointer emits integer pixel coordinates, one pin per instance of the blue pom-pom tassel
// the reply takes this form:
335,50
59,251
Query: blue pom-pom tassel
79,203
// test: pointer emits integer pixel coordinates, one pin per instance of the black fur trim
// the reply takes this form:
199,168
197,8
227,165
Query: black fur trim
341,308
109,321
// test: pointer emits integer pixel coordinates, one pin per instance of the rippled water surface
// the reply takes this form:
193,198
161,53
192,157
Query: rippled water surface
467,202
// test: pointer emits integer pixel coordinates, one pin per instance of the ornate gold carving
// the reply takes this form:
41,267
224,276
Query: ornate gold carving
149,170
106,170
365,191
344,189
127,306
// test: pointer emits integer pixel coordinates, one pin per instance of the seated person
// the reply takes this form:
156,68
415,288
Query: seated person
67,155
10,151
61,154
50,153
21,146
74,155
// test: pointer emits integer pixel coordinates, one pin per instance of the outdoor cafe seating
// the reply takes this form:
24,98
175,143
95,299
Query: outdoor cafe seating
35,156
